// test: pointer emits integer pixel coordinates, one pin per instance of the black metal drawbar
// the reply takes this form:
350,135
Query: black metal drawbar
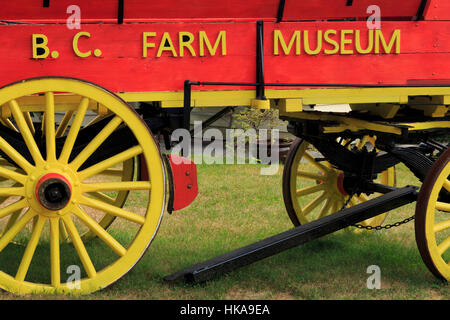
286,240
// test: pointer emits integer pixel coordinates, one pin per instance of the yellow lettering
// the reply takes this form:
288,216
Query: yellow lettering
185,40
75,44
327,39
146,44
278,39
395,40
166,45
306,43
221,39
40,41
369,48
345,41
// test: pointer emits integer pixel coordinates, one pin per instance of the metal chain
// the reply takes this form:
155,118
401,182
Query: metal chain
387,226
376,228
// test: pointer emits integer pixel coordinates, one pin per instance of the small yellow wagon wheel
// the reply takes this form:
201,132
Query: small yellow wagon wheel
432,219
313,188
54,187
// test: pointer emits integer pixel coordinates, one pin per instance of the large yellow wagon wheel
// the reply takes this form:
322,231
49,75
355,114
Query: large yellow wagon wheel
54,187
432,219
313,188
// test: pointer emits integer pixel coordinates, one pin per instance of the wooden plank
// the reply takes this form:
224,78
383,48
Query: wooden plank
142,10
437,10
333,9
416,53
159,57
181,10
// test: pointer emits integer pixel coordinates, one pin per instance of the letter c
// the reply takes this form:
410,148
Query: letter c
75,44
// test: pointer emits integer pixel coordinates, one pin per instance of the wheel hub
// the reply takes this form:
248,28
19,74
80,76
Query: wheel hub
340,184
53,191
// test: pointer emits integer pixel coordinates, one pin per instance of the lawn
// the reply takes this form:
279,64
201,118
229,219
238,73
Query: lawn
237,206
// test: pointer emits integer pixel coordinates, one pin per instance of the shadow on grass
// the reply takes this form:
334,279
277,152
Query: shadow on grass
337,261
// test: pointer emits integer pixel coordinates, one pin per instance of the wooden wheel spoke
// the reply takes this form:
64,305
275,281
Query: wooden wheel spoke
309,190
443,206
112,172
18,205
25,132
443,246
16,228
96,142
50,126
11,220
15,156
29,121
447,185
13,175
315,163
310,175
111,209
100,232
102,197
6,122
339,204
110,162
325,208
441,226
63,235
96,119
116,186
313,204
64,123
79,246
30,249
55,264
334,206
12,191
74,130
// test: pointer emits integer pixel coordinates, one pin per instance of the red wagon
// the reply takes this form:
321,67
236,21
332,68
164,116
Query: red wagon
87,84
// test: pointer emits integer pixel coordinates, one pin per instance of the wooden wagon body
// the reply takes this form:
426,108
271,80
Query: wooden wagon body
387,59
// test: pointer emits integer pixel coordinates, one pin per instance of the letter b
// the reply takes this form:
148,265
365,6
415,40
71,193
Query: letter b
39,44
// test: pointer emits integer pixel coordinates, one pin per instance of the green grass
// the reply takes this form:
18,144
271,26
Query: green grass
237,206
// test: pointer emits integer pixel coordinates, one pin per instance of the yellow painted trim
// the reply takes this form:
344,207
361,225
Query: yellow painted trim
417,126
309,96
260,104
344,122
198,99
290,105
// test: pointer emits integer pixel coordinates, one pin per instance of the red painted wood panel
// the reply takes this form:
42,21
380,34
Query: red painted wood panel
26,10
141,10
121,67
423,51
338,9
437,10
144,10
